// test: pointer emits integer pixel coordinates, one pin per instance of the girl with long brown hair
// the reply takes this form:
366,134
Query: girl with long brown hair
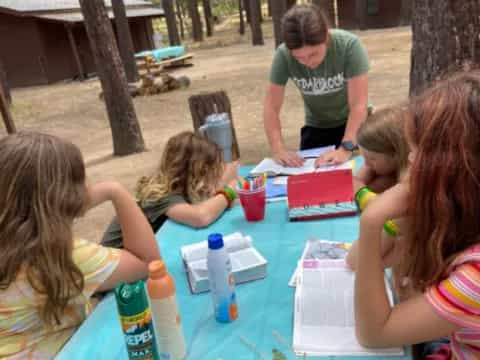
442,249
191,185
47,274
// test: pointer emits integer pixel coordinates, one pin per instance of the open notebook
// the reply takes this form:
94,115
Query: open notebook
324,314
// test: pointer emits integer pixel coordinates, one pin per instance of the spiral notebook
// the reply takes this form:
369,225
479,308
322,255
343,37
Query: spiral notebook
321,195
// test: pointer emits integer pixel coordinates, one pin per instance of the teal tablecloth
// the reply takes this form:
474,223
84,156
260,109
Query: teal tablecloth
265,306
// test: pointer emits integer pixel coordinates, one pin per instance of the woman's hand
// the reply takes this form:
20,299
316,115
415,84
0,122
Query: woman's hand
333,157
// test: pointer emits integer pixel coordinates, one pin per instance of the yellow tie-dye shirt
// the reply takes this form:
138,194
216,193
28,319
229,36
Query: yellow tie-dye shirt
23,334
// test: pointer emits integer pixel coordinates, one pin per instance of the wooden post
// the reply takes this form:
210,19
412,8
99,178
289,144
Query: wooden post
241,29
73,46
124,39
4,84
126,132
5,111
255,25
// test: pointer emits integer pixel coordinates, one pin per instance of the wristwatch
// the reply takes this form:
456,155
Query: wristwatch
349,145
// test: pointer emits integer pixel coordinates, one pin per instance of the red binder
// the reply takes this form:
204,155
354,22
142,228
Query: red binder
321,195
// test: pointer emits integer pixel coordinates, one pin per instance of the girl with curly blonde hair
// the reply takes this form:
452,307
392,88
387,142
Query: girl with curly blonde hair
192,185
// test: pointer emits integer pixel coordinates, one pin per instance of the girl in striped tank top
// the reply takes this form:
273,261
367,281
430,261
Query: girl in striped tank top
441,247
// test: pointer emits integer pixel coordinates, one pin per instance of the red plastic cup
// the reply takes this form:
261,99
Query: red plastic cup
253,203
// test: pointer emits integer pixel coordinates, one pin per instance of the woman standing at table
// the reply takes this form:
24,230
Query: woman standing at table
441,257
330,68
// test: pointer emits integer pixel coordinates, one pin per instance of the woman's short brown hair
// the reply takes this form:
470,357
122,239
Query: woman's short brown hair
304,25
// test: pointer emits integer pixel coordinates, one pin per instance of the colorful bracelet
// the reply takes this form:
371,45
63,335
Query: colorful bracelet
230,192
391,228
363,197
226,196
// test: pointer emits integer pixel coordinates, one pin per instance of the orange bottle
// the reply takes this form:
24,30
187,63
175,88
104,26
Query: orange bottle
166,319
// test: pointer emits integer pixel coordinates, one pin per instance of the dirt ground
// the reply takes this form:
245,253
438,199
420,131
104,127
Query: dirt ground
73,110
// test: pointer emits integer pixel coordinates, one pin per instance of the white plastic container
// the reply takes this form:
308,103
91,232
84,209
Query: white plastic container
221,281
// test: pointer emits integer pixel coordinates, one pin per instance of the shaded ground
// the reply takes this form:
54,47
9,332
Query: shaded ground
73,110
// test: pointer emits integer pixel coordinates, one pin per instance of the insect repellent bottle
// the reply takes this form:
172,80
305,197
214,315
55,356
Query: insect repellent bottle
166,319
136,321
220,277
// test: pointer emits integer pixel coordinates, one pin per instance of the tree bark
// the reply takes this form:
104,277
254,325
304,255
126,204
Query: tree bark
255,25
207,12
406,12
444,39
180,19
4,84
126,133
269,8
291,3
279,7
124,40
259,5
241,29
361,11
246,6
328,9
197,32
169,10
5,112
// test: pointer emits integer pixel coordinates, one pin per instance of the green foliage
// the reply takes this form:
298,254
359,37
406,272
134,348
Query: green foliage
278,355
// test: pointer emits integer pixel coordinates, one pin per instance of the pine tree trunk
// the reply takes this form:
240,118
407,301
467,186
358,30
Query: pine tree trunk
406,12
197,32
255,25
180,19
269,7
169,10
124,40
241,29
246,6
5,112
126,132
445,38
4,84
279,7
259,5
361,12
291,3
207,12
328,9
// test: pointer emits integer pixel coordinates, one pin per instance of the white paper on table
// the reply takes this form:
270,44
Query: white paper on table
316,152
324,314
272,168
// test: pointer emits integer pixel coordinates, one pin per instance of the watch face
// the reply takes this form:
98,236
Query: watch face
348,145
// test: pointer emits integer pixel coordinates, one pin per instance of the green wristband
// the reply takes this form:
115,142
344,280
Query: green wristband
361,192
391,228
231,193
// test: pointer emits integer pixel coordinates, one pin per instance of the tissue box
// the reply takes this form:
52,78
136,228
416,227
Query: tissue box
247,263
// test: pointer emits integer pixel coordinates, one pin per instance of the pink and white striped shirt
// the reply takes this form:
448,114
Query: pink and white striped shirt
457,299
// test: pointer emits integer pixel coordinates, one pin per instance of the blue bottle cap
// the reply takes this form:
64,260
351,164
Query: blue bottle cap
215,241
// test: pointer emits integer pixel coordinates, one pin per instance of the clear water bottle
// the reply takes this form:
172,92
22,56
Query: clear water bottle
220,276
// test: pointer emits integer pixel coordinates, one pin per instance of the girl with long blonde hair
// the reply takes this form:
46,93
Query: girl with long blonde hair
48,274
192,185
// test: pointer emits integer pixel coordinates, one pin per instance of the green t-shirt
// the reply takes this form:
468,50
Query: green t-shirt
324,89
155,214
